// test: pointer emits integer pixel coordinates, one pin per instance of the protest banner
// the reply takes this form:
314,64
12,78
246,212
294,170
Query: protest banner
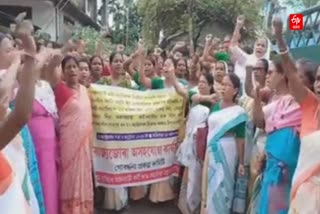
135,135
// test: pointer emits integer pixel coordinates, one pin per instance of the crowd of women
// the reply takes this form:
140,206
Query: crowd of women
251,131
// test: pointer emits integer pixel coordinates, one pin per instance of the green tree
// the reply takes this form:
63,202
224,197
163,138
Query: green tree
126,22
91,36
175,16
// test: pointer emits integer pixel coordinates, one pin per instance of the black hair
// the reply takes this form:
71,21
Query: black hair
93,57
210,80
113,55
67,59
309,69
265,65
279,68
151,59
236,83
85,60
186,63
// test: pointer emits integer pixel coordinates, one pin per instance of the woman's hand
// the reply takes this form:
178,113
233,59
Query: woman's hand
120,48
249,68
208,38
277,26
242,170
24,32
216,41
214,98
256,93
240,20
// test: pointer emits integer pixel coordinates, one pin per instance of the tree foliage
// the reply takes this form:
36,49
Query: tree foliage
91,36
126,22
172,16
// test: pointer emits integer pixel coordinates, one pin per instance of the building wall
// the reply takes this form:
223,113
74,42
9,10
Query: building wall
43,15
51,20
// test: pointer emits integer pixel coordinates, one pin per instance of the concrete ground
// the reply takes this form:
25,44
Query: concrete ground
146,207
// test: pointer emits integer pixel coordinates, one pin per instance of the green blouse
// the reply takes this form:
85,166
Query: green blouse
239,131
190,95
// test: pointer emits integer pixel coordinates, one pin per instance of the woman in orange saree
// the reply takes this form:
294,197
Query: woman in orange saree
75,126
305,190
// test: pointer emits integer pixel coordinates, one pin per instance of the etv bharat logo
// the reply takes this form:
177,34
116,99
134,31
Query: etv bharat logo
296,22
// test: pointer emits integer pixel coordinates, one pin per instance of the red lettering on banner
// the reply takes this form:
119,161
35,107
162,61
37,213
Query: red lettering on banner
148,151
135,177
111,153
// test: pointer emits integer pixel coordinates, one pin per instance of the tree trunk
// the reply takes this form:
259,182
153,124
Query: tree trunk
127,26
190,26
105,14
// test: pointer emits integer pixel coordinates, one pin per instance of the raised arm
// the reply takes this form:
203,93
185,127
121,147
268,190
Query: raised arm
237,54
248,86
145,81
14,122
183,92
257,113
51,71
297,88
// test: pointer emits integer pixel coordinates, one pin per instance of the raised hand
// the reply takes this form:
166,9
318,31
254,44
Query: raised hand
20,17
209,38
214,98
240,20
120,48
141,49
249,68
277,25
24,32
157,51
216,41
256,94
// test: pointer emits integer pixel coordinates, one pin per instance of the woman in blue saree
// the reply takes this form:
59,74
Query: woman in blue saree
225,150
281,120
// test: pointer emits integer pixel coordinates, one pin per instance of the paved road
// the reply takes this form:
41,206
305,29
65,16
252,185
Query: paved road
146,207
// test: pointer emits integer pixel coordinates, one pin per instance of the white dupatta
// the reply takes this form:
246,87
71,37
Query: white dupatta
45,97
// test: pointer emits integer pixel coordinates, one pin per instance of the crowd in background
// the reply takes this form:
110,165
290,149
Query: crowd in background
251,133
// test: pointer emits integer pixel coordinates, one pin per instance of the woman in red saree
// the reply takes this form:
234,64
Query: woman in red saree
75,126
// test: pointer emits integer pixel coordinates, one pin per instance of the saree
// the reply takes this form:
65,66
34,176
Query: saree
221,161
21,185
190,191
75,126
32,164
305,193
282,149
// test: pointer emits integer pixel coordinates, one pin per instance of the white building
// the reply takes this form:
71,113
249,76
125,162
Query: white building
55,17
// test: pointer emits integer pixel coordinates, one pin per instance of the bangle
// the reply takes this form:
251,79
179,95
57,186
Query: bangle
284,52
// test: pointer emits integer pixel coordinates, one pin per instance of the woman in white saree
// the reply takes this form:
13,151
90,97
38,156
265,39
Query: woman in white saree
200,103
225,150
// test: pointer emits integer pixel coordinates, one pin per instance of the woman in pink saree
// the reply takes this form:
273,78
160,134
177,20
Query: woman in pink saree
75,126
305,190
